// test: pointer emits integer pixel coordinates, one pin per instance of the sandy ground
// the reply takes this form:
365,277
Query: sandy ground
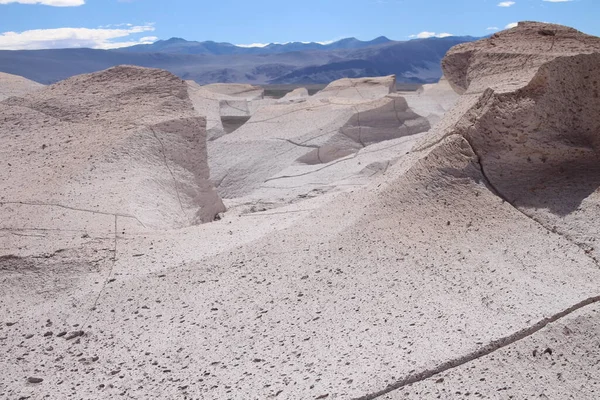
375,244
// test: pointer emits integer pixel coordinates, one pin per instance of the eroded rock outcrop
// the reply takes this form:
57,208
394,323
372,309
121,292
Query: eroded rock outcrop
531,112
237,90
122,142
433,100
226,106
340,121
371,122
510,59
295,96
359,88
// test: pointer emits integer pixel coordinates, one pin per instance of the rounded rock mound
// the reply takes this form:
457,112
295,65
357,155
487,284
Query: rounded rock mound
14,85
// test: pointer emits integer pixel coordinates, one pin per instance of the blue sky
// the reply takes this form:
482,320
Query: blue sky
28,24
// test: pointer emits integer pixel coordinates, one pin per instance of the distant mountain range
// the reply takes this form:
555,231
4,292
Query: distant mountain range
182,46
416,61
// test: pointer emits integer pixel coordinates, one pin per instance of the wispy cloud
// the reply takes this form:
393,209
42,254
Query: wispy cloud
60,38
511,25
53,3
506,4
492,28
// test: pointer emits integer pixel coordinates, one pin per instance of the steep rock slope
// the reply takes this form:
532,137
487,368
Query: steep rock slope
125,141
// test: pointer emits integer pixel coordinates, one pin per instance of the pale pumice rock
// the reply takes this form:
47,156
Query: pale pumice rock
334,124
14,85
423,268
125,141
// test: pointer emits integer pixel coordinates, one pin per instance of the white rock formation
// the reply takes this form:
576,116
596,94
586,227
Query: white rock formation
237,90
359,88
226,107
318,131
432,101
14,85
122,142
534,130
295,96
419,285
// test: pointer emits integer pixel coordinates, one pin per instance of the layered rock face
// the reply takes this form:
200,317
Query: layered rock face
123,142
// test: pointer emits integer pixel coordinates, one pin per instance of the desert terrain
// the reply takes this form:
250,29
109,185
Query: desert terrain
165,239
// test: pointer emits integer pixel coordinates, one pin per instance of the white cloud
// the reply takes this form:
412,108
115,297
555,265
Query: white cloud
506,4
511,25
427,35
60,38
54,3
492,28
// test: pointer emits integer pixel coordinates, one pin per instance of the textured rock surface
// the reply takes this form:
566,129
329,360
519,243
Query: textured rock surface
384,287
13,85
138,150
535,129
425,275
509,59
558,362
530,113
